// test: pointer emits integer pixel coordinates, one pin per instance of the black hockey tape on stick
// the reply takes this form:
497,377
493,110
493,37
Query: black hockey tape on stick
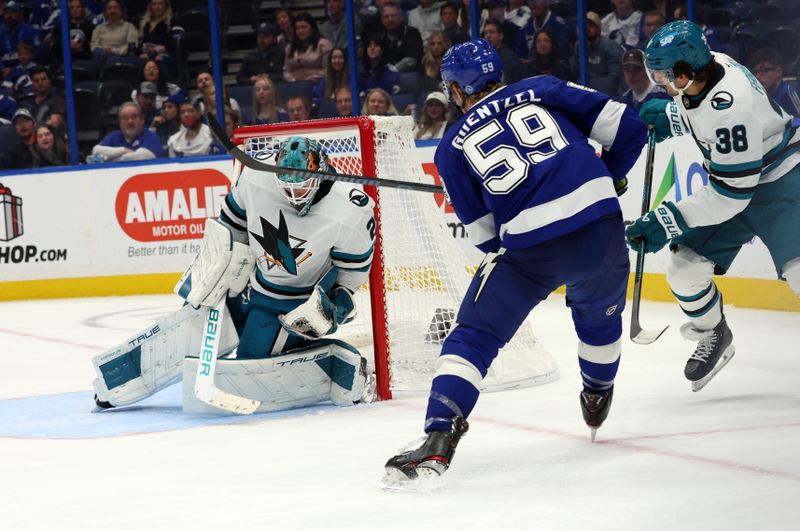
250,162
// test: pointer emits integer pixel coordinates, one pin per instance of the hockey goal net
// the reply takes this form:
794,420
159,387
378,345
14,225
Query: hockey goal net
419,273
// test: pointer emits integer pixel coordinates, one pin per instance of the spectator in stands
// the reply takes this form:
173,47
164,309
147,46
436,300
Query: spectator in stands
233,119
378,103
622,24
25,127
517,13
115,36
337,74
431,79
266,104
307,55
14,31
401,44
153,72
50,148
130,142
154,30
651,21
603,58
435,118
267,58
640,88
8,106
299,108
80,34
512,68
168,122
372,18
285,22
204,81
194,138
766,63
334,28
146,99
449,16
546,59
425,17
46,106
208,103
715,41
344,102
543,19
18,80
378,73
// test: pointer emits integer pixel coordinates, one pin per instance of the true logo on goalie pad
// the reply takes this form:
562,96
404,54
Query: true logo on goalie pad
147,334
212,336
303,359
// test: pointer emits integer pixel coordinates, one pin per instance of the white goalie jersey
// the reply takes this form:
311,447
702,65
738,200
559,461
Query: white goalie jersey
294,252
745,137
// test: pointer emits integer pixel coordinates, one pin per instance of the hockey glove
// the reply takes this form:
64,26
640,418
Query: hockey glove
655,229
654,114
321,314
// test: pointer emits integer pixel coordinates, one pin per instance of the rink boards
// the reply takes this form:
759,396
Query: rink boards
131,228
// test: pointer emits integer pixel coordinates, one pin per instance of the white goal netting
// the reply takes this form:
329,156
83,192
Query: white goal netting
424,272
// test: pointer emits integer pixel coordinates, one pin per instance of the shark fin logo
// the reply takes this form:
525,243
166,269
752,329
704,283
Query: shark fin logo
281,249
722,100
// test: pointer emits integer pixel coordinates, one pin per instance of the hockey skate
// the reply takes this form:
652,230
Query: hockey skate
418,465
595,408
713,352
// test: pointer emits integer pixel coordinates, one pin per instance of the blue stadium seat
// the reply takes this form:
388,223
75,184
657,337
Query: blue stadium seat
327,108
296,88
402,100
242,94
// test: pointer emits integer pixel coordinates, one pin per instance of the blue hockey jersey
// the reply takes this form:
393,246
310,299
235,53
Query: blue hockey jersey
519,170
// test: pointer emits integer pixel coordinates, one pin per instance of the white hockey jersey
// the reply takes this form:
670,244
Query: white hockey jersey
745,137
293,253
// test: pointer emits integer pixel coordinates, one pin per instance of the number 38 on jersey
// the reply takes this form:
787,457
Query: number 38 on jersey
502,151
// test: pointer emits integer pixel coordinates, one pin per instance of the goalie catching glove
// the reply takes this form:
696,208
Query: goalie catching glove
221,266
321,314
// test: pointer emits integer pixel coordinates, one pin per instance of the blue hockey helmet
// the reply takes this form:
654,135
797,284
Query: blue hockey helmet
305,154
473,65
676,42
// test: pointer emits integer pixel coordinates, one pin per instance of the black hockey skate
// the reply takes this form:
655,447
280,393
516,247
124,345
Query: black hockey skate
424,460
100,405
595,408
713,352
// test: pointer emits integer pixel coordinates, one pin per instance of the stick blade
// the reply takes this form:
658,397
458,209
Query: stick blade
645,337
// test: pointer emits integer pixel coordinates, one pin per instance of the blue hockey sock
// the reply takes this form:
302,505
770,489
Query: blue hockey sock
451,396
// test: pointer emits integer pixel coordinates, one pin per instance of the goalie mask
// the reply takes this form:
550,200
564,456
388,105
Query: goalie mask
305,154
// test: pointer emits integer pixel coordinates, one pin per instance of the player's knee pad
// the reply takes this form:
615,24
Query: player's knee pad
688,273
152,360
600,354
791,272
476,347
330,370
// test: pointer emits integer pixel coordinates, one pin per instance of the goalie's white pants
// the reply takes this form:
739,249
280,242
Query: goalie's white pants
690,278
326,371
152,360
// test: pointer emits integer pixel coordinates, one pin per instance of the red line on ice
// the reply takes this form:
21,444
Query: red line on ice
50,339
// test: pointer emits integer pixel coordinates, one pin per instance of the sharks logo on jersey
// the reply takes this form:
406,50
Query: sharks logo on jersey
722,100
281,249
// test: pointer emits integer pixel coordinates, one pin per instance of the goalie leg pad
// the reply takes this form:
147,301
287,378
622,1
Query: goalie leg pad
329,371
152,360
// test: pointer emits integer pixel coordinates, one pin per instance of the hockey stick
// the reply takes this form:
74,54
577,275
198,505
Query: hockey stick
250,162
204,387
644,337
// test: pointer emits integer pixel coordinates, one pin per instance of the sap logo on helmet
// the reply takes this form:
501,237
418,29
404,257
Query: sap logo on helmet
722,100
667,39
358,198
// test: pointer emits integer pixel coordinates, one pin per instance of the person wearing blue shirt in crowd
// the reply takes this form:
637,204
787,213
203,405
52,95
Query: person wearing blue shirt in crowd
523,179
8,107
12,32
130,142
651,21
766,65
640,87
543,19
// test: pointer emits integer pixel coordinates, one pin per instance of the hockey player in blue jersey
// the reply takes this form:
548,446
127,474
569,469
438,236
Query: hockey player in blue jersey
522,177
751,152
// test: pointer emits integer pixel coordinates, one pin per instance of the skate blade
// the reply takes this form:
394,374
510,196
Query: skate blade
427,481
592,433
724,359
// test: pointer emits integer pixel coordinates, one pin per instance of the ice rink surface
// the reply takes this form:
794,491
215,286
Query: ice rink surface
726,458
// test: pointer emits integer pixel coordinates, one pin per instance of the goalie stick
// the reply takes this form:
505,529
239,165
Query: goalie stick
644,337
204,387
250,162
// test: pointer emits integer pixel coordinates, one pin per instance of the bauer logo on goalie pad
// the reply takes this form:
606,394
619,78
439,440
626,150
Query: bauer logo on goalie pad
212,336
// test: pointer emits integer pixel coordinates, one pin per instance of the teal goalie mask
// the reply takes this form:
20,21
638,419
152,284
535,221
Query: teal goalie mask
304,154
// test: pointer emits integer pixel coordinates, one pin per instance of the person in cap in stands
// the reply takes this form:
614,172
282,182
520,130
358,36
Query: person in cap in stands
435,117
640,88
266,58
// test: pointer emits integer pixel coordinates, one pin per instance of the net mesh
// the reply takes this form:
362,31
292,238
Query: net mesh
425,272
